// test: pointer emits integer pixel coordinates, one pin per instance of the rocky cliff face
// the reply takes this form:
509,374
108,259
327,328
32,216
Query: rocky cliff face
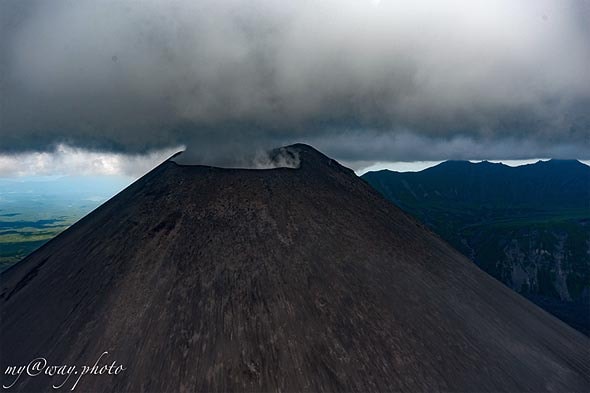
532,266
291,279
541,265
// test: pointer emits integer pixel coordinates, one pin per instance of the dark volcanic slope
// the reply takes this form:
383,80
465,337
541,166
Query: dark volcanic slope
207,279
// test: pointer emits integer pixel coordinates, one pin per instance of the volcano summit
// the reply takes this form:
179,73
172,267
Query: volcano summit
198,278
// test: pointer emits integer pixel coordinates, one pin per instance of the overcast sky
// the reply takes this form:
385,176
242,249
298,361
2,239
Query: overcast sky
364,81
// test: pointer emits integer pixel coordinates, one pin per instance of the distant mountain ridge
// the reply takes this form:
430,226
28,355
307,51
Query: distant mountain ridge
563,182
528,226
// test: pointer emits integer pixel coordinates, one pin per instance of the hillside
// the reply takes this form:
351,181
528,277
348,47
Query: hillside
528,226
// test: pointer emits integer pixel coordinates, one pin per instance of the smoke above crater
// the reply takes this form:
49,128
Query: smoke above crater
282,157
350,76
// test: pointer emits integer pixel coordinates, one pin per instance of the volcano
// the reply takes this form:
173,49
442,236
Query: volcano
197,278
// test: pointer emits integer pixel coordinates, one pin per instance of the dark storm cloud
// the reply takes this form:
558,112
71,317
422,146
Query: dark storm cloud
430,80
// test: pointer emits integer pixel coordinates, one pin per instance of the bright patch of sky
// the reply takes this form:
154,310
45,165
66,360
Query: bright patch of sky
417,166
71,161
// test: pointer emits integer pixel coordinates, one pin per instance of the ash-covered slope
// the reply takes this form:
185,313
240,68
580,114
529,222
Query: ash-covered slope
205,279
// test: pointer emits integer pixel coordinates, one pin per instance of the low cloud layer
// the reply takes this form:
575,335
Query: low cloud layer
68,161
364,80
